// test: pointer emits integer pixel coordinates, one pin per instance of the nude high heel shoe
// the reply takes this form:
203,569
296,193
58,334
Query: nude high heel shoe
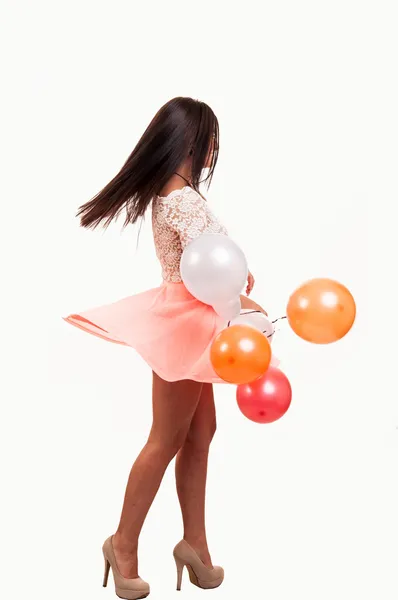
199,574
129,589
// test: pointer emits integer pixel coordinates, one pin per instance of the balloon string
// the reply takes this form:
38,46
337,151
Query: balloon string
251,312
278,319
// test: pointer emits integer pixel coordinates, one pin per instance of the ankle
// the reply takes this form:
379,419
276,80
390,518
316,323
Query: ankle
124,544
199,544
196,540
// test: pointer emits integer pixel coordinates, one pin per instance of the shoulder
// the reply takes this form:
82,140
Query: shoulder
183,199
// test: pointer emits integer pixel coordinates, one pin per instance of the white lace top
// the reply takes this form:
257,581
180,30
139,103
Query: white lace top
177,219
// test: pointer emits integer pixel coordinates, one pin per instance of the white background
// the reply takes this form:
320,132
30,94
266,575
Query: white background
306,97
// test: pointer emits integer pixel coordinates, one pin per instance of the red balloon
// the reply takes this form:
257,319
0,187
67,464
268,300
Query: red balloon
266,399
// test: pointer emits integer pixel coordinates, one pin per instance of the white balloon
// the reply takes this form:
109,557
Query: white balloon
214,269
257,319
229,310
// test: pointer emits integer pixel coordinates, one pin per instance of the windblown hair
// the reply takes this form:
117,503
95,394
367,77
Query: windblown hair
182,127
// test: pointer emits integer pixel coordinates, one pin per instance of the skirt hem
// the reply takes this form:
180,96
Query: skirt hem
73,320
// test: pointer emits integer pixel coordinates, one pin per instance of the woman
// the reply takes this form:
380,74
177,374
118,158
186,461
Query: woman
171,330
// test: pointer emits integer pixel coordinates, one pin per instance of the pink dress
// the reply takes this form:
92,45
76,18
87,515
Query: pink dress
167,326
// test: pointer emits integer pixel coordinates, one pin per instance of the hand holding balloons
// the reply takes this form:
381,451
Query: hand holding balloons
256,319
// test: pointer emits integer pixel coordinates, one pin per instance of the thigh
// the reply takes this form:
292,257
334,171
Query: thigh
203,424
246,302
173,405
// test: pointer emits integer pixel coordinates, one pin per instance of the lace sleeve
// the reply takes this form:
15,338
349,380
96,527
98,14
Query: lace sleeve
186,214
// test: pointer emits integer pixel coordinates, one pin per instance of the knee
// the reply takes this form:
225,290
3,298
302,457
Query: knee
199,440
213,429
167,447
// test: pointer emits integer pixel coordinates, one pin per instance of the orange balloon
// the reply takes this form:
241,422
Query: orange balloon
240,354
321,311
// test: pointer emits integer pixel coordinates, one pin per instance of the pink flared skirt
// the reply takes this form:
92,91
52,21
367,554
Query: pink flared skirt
167,326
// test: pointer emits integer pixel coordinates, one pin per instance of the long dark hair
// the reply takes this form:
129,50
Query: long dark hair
182,127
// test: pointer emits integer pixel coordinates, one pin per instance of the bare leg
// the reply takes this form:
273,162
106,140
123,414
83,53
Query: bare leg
191,473
246,302
174,405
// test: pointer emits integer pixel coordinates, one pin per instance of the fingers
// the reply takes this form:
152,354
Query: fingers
250,284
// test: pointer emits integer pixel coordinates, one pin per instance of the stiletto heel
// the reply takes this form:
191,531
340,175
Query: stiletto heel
129,589
199,574
180,567
106,574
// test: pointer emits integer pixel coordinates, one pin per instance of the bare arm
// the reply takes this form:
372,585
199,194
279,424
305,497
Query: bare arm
246,302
